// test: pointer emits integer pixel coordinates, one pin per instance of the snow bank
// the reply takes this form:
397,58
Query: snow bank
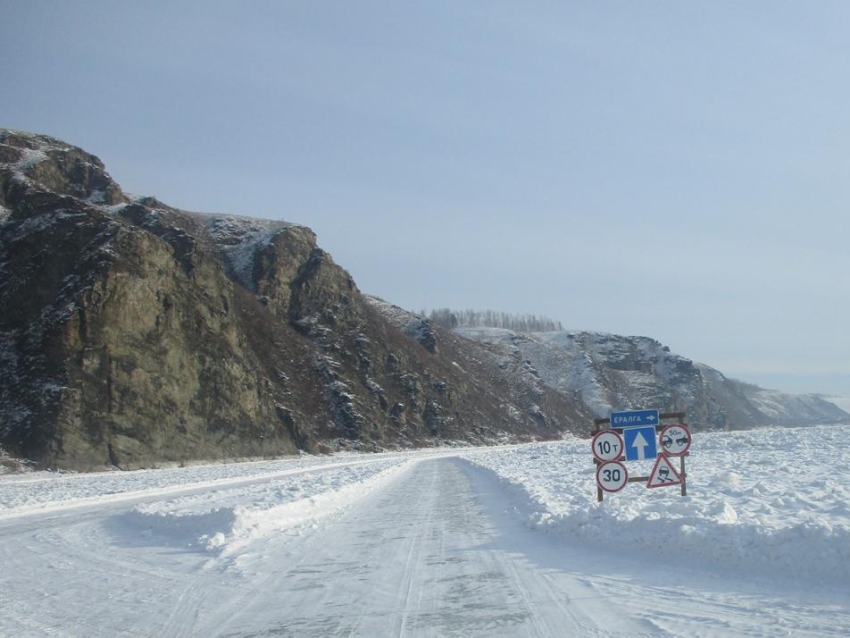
774,501
225,520
46,491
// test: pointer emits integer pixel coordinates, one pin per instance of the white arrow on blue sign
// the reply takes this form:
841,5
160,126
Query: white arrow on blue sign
634,418
640,443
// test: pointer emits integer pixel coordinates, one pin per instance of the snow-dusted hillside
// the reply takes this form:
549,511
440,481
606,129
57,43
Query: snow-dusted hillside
615,372
841,402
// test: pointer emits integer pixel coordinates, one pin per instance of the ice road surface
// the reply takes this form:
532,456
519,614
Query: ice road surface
505,541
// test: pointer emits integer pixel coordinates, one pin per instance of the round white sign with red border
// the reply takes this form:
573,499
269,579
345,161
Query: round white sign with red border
675,440
612,476
607,445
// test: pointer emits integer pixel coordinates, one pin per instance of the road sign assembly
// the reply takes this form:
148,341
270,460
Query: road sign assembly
637,435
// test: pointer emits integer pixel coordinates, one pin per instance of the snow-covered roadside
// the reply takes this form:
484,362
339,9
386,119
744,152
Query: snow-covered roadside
216,507
774,502
42,491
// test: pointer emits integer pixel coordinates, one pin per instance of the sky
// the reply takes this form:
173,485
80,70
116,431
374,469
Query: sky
677,170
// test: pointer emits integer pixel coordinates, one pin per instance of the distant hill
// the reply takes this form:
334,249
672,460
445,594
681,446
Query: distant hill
841,402
615,372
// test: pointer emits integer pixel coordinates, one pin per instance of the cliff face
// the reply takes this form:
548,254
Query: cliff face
134,333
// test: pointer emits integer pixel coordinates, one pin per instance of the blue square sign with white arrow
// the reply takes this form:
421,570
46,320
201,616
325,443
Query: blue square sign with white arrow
640,443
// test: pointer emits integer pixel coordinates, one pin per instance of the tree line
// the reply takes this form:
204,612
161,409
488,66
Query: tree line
447,318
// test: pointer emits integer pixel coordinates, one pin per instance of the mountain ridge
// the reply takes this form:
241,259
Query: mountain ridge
613,372
135,333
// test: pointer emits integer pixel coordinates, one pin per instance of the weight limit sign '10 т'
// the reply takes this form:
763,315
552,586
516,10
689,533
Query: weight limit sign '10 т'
607,446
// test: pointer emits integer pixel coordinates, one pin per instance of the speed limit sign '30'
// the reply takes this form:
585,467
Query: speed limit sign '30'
612,476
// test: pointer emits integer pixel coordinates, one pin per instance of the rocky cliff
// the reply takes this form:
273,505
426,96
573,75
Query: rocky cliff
133,333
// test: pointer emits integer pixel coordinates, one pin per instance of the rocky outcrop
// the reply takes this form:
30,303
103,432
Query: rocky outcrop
134,334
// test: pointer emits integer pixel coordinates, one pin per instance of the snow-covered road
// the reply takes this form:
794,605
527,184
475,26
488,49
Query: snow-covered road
492,542
423,556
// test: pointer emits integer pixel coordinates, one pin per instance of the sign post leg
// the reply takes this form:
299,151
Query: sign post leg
684,476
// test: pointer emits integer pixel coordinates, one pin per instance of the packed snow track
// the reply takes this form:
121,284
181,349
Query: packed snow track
421,557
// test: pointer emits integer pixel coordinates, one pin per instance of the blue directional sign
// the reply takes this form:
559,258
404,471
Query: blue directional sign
640,443
634,418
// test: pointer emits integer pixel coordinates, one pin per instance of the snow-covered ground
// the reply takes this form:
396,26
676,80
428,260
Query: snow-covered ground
487,541
774,502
